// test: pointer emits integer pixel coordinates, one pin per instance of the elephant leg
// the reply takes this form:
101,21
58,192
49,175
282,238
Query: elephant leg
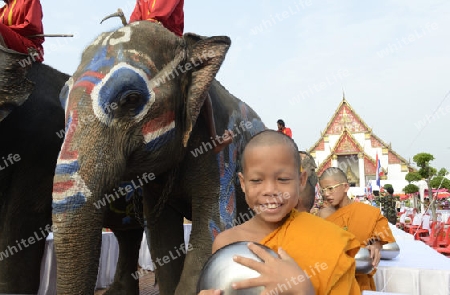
200,245
124,281
22,245
167,248
25,222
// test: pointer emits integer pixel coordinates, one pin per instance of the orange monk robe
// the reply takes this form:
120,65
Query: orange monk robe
325,252
366,223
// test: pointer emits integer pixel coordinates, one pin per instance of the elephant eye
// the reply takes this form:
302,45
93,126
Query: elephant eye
131,100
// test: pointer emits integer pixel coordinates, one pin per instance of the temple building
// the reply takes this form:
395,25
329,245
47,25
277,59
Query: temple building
348,143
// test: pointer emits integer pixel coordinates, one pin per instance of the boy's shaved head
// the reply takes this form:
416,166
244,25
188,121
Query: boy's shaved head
334,173
269,138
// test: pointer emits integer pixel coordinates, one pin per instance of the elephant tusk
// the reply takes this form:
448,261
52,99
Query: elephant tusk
120,14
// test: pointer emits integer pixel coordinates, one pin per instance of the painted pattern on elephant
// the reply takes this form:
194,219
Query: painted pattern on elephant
69,190
228,178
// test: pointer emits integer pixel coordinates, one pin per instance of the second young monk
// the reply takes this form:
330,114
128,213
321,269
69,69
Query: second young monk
271,181
364,221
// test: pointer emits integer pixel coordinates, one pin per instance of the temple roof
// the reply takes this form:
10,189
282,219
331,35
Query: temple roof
345,122
347,144
345,118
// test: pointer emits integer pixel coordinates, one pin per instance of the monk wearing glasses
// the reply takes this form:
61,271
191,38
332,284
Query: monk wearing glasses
366,222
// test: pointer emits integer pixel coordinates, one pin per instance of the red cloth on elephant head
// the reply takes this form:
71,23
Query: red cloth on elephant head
169,12
20,19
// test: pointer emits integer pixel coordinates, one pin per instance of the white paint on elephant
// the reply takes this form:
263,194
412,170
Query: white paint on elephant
79,186
98,110
149,62
123,38
103,37
157,133
69,84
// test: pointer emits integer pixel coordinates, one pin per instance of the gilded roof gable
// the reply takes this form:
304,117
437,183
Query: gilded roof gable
345,122
347,144
345,118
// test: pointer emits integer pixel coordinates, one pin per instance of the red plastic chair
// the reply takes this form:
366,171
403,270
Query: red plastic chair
433,239
445,251
444,239
419,232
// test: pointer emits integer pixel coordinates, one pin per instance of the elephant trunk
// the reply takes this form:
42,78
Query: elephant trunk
81,179
77,246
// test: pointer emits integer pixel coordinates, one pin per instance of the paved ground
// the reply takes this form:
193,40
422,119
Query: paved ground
145,285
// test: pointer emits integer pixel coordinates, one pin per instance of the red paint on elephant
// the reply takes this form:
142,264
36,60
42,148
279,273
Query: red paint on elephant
158,126
66,152
88,80
231,202
60,187
215,232
221,165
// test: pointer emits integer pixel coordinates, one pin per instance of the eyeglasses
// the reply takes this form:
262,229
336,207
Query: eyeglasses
330,189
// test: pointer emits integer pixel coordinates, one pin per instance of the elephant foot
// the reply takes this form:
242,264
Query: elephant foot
118,288
227,138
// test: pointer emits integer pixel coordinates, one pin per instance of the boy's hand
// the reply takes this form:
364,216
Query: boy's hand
375,253
274,271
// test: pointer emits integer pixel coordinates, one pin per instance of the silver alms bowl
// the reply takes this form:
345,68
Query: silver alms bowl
390,251
363,261
220,271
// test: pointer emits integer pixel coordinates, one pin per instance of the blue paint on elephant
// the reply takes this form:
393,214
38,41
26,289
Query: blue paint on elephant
123,81
227,194
100,61
160,141
90,79
67,168
228,177
257,126
69,204
126,220
213,229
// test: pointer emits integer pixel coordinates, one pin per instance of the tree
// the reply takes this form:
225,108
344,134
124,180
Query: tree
442,172
411,189
433,178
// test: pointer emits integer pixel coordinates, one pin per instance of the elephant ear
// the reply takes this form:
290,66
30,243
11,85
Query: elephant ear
15,88
205,56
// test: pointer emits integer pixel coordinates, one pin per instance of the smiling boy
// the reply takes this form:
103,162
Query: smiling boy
272,182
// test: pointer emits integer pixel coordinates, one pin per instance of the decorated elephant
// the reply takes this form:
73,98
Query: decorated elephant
132,114
31,134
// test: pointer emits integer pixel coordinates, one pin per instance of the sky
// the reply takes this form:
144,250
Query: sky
294,59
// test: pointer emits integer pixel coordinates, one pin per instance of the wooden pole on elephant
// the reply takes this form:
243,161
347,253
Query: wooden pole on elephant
50,35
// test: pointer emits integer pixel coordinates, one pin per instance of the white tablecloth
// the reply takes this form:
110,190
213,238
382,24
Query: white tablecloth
417,270
108,260
400,234
107,267
381,293
145,259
